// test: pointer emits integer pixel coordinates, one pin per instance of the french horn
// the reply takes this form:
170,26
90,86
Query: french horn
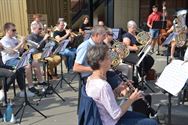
143,37
118,52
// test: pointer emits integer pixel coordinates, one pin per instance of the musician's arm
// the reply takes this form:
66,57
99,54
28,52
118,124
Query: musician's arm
127,42
80,60
149,22
20,44
81,68
170,30
59,39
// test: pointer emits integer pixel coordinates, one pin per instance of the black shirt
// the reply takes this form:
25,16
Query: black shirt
85,26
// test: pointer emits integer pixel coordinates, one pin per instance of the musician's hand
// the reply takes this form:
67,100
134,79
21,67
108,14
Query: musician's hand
136,95
68,31
46,36
22,39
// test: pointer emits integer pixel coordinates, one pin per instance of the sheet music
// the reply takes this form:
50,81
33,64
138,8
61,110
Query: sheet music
174,77
32,44
62,46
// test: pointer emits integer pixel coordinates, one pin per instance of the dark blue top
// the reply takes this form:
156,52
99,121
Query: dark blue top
131,37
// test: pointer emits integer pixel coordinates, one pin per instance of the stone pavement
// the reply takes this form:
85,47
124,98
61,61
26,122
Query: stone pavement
65,113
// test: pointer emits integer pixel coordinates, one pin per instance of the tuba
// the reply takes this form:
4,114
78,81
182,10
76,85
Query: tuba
180,28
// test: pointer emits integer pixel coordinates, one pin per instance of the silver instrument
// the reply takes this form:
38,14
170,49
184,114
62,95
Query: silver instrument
180,27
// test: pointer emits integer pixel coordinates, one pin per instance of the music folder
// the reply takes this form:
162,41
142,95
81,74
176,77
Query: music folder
159,25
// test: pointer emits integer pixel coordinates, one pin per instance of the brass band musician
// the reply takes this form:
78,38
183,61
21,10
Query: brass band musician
61,34
12,58
43,41
129,39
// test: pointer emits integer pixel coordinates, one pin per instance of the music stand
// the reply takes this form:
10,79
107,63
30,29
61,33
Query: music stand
60,48
22,63
115,33
46,53
159,25
173,79
145,51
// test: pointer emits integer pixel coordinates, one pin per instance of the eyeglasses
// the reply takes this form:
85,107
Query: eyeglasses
110,34
40,28
13,30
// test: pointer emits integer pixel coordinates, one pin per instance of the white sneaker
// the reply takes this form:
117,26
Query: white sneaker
29,94
2,95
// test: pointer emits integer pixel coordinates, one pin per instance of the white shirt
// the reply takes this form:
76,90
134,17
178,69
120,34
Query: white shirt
8,43
186,55
101,92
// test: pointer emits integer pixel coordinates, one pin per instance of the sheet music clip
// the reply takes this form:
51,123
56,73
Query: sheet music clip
159,25
62,46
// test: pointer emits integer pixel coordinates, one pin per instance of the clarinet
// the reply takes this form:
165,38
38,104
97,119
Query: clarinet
152,112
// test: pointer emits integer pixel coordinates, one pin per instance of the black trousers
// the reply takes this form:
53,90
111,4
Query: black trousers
18,75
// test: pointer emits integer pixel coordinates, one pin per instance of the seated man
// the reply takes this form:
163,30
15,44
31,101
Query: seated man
7,71
43,42
11,57
61,34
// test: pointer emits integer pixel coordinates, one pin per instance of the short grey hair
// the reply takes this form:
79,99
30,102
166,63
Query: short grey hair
97,29
96,54
35,25
131,23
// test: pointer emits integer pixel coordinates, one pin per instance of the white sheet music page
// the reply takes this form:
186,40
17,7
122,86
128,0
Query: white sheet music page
173,77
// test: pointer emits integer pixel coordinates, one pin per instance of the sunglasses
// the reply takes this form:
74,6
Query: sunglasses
13,30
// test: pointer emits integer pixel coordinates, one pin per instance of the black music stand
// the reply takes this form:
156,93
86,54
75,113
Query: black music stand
140,63
60,48
46,53
159,25
22,63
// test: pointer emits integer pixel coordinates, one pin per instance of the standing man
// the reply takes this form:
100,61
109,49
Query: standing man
154,16
81,65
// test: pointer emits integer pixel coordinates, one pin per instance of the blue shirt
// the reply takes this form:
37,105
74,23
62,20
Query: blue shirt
81,53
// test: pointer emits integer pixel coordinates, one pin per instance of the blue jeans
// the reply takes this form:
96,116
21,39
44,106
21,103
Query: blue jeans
70,54
154,33
133,118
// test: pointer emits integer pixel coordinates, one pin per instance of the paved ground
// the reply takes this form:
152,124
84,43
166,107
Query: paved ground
64,113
